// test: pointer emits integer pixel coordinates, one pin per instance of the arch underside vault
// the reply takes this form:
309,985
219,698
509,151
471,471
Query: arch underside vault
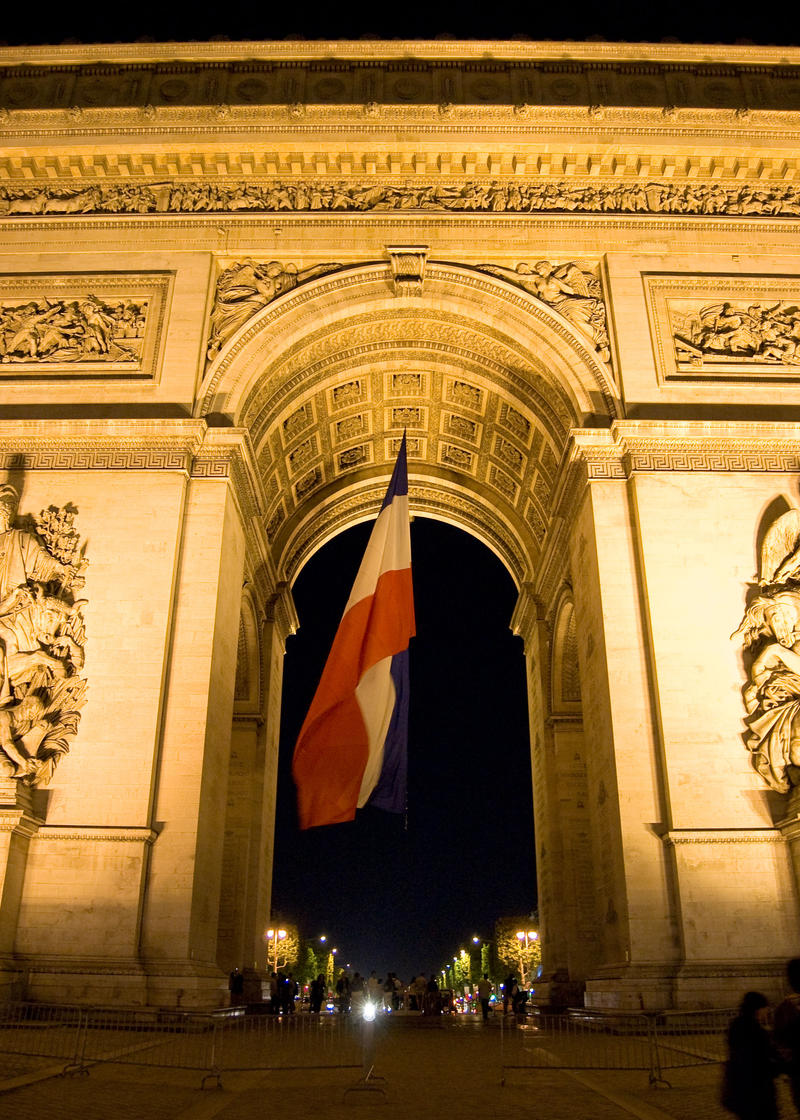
485,379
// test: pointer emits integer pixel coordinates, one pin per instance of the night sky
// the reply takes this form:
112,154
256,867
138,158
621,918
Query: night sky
617,20
404,894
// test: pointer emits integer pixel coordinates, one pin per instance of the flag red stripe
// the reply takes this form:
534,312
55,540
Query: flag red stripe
332,748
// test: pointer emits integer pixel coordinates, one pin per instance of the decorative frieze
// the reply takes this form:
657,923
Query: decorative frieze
553,196
68,325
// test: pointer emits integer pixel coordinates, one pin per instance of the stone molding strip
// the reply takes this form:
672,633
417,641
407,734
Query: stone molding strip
376,51
723,836
99,833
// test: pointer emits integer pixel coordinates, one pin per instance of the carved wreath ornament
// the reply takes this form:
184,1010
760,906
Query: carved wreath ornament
42,638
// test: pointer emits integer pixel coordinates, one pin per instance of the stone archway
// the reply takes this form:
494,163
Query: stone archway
487,381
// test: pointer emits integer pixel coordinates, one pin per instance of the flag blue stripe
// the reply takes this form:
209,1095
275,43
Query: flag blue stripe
390,789
399,481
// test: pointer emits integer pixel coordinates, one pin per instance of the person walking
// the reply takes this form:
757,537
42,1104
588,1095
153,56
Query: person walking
315,994
787,1029
485,995
508,988
748,1089
236,987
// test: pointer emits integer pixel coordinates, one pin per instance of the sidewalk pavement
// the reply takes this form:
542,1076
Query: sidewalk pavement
427,1069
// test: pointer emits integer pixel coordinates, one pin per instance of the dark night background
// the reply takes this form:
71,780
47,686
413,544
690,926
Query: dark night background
406,894
623,20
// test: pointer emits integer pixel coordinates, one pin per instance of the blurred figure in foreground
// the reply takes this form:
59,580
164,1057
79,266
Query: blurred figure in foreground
748,1089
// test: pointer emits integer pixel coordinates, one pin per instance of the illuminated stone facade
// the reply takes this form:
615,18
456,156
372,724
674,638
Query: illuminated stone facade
231,275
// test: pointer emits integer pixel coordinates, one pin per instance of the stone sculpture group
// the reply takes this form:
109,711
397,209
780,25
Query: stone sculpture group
42,638
770,634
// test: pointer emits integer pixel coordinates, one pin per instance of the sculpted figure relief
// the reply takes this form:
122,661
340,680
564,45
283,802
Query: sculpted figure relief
770,634
759,332
76,330
525,197
42,636
245,287
573,292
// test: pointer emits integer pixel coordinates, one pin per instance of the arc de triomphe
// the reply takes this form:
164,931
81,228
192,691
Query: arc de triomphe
231,276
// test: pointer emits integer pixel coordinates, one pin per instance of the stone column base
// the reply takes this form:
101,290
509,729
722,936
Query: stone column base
687,987
172,984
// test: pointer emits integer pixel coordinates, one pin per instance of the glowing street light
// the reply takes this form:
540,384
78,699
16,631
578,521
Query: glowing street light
525,938
274,938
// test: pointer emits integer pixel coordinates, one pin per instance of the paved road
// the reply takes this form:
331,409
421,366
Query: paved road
440,1068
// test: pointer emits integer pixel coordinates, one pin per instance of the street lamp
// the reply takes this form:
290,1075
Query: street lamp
525,937
274,938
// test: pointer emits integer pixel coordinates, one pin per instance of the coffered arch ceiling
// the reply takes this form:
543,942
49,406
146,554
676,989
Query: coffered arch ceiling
486,380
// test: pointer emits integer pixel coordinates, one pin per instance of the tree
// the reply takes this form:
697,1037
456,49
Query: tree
283,947
519,948
310,968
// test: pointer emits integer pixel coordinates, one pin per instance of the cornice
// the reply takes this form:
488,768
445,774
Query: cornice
19,821
378,50
99,444
631,447
372,51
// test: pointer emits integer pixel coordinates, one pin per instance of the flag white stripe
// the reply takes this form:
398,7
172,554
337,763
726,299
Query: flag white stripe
376,695
388,549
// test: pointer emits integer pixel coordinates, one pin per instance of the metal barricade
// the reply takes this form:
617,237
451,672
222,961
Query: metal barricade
690,1038
609,1040
208,1042
41,1030
582,1040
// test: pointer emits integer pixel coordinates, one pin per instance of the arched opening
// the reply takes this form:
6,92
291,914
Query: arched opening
487,381
404,894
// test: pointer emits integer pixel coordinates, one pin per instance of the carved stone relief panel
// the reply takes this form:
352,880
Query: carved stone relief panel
408,383
515,422
82,325
406,416
544,195
348,393
352,458
462,427
465,394
416,448
297,422
303,453
724,327
310,481
450,455
351,427
533,516
504,483
246,287
509,454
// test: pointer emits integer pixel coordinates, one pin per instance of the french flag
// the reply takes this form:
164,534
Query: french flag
352,747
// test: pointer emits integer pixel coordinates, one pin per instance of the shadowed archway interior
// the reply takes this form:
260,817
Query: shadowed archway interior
398,893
